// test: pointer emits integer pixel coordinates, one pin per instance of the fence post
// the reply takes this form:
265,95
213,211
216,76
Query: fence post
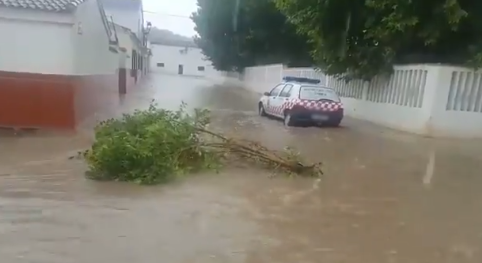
366,85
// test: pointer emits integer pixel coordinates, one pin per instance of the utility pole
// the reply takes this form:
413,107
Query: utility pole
145,34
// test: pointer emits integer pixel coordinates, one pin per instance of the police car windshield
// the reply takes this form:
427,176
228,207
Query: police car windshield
318,93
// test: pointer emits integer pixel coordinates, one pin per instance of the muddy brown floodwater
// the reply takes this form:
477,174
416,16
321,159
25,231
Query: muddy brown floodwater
386,197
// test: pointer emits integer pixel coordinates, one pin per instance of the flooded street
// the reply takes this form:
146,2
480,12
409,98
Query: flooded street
386,197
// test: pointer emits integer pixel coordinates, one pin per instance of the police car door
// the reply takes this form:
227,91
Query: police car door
272,106
282,99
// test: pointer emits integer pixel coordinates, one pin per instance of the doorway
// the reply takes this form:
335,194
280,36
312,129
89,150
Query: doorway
180,69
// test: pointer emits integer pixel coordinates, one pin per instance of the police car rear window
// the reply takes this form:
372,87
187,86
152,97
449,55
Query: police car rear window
318,93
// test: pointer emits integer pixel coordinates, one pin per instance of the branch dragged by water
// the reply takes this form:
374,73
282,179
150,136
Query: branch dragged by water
156,145
287,161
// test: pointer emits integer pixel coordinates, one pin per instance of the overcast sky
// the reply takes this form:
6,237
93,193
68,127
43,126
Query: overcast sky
171,14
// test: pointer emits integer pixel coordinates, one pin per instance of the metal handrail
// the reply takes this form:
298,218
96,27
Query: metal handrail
105,21
115,30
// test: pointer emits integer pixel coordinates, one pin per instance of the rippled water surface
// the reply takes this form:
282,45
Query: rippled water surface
385,197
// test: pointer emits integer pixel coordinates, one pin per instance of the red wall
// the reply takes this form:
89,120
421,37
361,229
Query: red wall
30,100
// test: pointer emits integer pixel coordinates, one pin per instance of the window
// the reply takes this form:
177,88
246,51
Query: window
286,92
160,65
200,68
318,93
276,90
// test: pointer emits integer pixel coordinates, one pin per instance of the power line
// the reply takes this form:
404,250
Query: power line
166,14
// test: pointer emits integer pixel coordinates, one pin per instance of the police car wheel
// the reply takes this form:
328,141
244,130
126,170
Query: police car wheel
261,110
288,120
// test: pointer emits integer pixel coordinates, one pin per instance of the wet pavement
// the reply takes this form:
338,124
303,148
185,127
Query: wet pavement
386,197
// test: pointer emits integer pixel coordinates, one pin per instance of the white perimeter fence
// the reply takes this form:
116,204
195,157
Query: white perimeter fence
426,99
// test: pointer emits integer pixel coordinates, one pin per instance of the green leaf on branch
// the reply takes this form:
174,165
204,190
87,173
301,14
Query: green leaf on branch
156,145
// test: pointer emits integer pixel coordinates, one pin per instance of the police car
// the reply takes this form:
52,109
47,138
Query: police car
302,100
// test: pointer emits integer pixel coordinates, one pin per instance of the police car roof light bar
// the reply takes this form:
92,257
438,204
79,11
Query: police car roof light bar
301,80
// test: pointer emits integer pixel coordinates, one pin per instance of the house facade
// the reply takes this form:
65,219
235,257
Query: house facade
129,15
180,60
59,64
132,52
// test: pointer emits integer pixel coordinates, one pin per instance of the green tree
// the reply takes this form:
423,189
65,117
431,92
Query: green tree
236,34
362,38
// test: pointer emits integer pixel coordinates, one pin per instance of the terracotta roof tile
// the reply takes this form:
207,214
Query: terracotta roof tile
44,5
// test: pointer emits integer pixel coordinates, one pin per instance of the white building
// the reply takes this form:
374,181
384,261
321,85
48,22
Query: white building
180,60
127,13
59,62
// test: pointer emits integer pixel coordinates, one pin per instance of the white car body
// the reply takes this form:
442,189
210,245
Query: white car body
287,96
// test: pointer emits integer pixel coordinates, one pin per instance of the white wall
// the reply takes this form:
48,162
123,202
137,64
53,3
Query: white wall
456,101
91,46
263,78
125,42
126,17
306,73
433,100
35,41
50,43
396,101
173,56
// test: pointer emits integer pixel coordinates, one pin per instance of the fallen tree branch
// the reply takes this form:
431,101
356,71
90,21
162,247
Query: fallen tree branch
156,145
254,151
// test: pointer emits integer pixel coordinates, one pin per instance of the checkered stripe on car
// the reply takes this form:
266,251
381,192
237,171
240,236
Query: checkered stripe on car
309,105
287,105
319,105
277,110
